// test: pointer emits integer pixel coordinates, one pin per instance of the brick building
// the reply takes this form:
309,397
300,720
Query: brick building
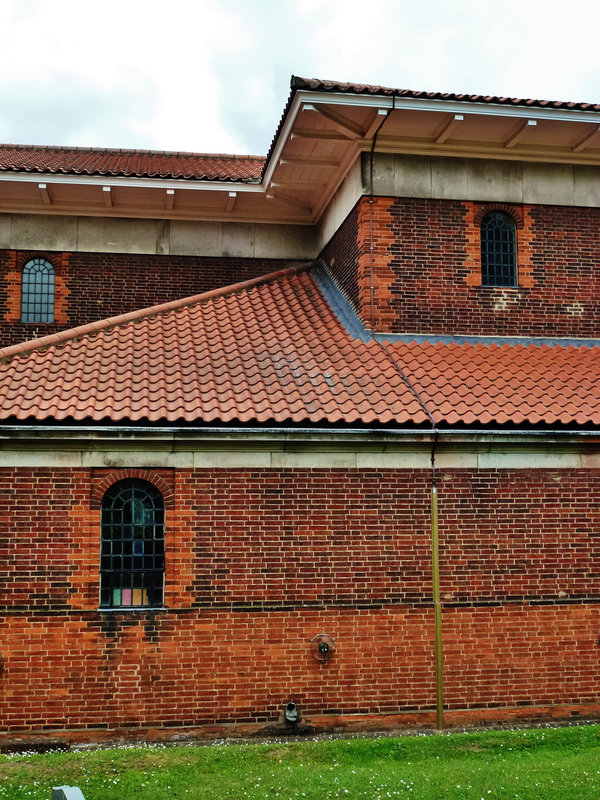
318,428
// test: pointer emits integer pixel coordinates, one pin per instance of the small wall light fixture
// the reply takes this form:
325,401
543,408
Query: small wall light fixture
322,647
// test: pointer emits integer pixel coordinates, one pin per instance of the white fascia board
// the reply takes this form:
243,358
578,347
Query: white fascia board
128,181
335,99
449,106
283,136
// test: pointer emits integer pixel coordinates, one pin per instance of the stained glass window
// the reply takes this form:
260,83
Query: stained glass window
498,250
37,291
132,557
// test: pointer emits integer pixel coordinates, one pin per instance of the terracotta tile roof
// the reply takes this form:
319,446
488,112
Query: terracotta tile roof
500,384
316,85
264,351
126,163
272,351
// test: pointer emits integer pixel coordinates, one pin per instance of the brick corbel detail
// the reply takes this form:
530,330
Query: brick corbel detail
162,479
522,218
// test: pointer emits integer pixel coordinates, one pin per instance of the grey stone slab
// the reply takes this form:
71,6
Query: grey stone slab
495,181
412,176
238,239
40,232
196,238
538,459
449,178
383,174
5,230
163,234
552,184
67,793
284,241
116,235
587,186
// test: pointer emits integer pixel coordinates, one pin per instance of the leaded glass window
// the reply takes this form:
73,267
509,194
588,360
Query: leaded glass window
37,291
132,556
498,250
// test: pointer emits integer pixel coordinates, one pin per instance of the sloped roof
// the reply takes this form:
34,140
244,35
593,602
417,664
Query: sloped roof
264,351
272,351
500,384
130,163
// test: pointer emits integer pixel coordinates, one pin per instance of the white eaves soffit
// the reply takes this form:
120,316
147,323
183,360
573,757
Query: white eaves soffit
320,138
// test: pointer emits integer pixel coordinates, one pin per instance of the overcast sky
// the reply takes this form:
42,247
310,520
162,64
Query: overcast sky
213,75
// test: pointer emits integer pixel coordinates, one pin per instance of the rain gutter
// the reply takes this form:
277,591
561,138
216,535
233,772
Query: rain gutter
288,432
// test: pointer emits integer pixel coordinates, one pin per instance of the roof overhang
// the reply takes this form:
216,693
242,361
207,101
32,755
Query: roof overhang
321,136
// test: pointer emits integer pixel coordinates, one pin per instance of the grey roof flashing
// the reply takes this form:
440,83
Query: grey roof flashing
352,323
340,305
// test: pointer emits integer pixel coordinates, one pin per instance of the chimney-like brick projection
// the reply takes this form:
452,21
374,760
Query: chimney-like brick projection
427,269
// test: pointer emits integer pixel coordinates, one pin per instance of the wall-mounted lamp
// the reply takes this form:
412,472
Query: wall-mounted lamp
322,647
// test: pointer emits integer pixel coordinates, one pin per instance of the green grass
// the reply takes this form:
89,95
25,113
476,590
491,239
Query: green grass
538,764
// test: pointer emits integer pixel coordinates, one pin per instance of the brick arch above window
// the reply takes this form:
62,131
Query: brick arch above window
514,212
103,481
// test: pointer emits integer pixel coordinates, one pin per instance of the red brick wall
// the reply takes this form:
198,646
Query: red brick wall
522,656
426,263
260,561
340,257
519,580
294,537
92,286
511,535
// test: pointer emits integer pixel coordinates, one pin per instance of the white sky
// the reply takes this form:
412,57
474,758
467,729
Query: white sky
213,75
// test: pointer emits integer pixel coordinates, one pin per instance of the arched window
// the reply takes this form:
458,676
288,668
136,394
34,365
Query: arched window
132,556
498,250
37,291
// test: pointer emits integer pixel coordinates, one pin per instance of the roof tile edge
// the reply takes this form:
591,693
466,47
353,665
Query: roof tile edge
298,83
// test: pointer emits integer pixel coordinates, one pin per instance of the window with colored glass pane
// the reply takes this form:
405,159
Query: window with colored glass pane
132,556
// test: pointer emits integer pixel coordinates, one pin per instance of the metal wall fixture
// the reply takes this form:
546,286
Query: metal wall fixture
322,647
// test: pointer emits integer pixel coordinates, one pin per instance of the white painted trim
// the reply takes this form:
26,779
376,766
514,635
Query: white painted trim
281,139
449,106
129,181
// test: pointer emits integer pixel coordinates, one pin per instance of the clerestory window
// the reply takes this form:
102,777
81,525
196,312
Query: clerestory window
37,291
132,557
498,250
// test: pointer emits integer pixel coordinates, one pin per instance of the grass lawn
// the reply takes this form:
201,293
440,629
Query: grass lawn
540,764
